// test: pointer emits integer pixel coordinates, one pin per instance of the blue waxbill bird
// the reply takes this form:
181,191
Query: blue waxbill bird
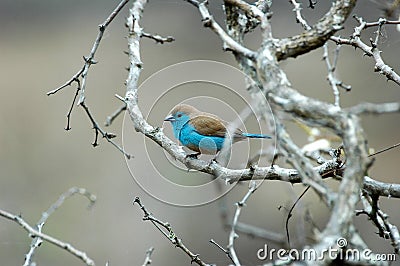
202,132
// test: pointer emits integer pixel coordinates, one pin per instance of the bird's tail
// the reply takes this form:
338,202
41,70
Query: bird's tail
256,136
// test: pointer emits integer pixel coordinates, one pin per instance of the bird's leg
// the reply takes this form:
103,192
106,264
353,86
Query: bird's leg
213,160
193,155
274,159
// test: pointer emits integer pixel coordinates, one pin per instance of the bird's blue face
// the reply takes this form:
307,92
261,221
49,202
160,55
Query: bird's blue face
178,120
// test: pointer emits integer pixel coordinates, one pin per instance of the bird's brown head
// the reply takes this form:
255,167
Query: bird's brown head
182,110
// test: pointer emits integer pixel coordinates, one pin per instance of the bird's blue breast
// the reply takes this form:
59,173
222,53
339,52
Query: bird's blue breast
190,138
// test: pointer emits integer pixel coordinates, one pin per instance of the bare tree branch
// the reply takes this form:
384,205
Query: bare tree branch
104,134
267,80
114,115
166,230
157,38
380,188
251,10
333,81
371,51
233,235
147,259
227,253
375,108
229,43
35,233
89,60
299,17
380,219
68,127
80,78
37,241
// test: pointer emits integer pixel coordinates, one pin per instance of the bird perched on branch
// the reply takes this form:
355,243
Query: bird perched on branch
202,132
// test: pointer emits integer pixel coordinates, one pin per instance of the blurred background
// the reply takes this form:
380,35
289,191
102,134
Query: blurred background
41,47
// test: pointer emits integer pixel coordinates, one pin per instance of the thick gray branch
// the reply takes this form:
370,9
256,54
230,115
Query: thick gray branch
319,33
375,108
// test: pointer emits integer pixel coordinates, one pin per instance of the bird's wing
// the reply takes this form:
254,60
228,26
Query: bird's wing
210,125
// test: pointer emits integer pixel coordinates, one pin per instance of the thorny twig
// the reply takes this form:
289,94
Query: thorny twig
372,50
68,127
37,241
157,38
227,253
106,135
312,3
380,220
147,259
114,115
333,81
89,60
233,235
36,233
299,18
81,78
311,39
166,229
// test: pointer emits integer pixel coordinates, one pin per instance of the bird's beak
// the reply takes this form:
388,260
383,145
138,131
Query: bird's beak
169,118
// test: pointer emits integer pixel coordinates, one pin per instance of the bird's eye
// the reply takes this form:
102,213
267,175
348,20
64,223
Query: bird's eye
179,115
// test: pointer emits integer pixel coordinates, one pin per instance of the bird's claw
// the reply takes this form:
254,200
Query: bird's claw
213,160
193,155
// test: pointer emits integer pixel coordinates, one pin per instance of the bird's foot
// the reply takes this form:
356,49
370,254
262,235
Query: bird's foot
193,155
213,160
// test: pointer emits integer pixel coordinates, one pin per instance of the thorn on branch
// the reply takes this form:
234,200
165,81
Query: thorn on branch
110,135
194,258
158,38
89,60
299,18
114,115
147,260
312,4
206,22
373,44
